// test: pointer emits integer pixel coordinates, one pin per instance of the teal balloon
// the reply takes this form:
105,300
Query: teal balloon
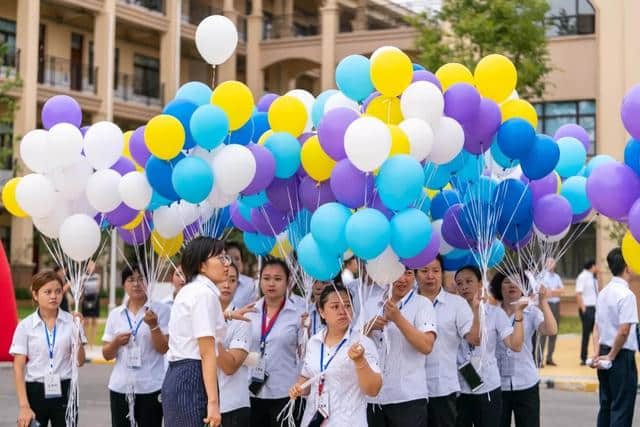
192,178
473,167
436,176
317,262
353,77
410,232
496,253
500,158
596,161
574,189
255,200
423,202
286,151
156,201
368,233
572,156
209,126
245,210
481,190
399,181
258,244
317,110
196,92
328,227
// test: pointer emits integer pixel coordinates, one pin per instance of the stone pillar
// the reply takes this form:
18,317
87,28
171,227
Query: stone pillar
329,15
170,50
104,45
287,22
254,38
359,23
227,71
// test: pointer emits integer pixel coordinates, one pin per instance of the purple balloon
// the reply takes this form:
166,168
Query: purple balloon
350,185
303,138
543,186
461,102
479,131
426,76
451,230
61,109
581,217
123,166
552,214
138,148
634,220
574,131
268,220
283,195
427,255
265,102
84,129
239,221
122,215
376,203
366,102
331,130
137,236
612,188
314,194
191,231
265,169
520,244
630,111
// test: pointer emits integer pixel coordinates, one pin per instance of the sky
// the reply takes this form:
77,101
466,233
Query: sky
419,5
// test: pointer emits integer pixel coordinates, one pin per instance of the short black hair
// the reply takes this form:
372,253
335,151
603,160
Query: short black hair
128,271
328,290
196,252
271,260
57,268
235,245
440,260
472,268
235,267
589,264
616,262
495,286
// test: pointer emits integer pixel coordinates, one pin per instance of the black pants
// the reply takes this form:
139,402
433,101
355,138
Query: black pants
264,412
46,410
588,318
525,406
479,410
237,418
441,411
412,413
618,387
147,410
555,309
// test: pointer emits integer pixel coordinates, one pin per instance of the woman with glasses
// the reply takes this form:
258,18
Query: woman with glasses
136,337
190,392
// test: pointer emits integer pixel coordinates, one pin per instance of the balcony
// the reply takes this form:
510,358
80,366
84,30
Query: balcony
9,63
197,11
65,74
298,25
132,88
154,5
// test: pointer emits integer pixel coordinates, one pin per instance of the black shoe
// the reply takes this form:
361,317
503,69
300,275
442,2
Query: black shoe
583,363
551,363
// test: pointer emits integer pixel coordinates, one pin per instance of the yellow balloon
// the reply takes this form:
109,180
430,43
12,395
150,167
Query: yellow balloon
125,148
453,73
164,136
495,77
282,249
236,100
315,161
631,252
135,222
264,137
391,72
9,198
166,247
386,109
519,108
399,141
288,114
559,186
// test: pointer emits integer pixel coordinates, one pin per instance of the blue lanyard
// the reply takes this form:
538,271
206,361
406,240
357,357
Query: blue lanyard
313,323
134,332
324,367
406,301
435,303
50,343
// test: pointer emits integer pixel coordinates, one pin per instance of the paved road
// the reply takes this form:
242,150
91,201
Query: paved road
559,409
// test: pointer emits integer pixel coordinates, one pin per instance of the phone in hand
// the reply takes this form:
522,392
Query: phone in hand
471,376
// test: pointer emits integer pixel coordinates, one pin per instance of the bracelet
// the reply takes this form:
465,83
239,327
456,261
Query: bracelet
518,320
157,327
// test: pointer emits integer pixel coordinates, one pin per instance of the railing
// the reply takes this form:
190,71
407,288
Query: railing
155,5
63,73
10,64
289,26
241,25
135,89
198,11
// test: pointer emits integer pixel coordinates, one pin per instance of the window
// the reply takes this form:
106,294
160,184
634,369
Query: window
580,251
146,79
116,68
8,38
552,115
6,145
570,17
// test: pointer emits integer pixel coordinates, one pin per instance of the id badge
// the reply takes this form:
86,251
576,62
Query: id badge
134,357
323,403
52,386
506,365
257,374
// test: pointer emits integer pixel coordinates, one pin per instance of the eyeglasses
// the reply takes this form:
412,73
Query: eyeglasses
225,260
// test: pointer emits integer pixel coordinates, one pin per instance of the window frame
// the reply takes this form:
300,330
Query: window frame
576,119
574,18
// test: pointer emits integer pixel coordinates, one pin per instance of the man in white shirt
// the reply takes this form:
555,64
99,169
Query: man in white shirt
247,291
586,295
553,283
616,342
350,268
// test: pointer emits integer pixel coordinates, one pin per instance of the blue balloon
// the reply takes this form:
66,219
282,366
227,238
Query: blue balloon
481,190
156,201
353,77
542,159
457,259
286,151
258,244
219,221
399,181
601,159
574,189
244,135
260,125
500,158
192,179
196,92
516,137
328,227
159,176
410,232
423,202
316,262
515,231
472,169
457,163
317,111
513,199
443,201
245,210
368,233
436,176
418,67
255,200
182,110
209,126
475,220
572,156
632,155
299,227
496,253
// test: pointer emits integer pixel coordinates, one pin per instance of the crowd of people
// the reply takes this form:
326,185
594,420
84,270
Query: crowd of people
224,350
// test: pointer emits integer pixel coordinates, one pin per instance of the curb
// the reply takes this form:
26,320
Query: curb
100,362
586,385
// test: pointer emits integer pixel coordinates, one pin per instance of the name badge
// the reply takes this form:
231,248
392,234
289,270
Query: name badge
52,386
258,372
323,403
506,365
134,356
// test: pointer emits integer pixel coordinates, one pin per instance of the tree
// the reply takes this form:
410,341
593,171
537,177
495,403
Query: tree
464,31
8,104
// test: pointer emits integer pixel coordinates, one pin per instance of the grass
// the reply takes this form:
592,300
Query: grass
570,325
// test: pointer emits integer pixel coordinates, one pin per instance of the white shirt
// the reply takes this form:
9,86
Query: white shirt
168,300
497,328
246,293
315,321
518,371
362,293
29,339
404,377
347,276
553,282
196,313
148,378
616,305
453,319
347,402
234,389
281,361
587,286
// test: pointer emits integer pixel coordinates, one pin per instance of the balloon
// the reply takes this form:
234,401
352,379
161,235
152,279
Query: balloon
399,141
313,194
209,126
612,188
255,200
631,252
634,220
136,236
386,109
442,201
542,158
581,217
602,159
283,194
167,221
552,214
331,131
519,108
514,199
516,137
452,231
327,226
61,109
391,72
317,262
436,176
122,215
410,232
123,166
236,100
79,237
452,73
35,149
543,186
574,131
265,102
268,220
368,233
458,259
260,125
216,39
9,198
400,181
286,152
220,199
159,173
339,100
574,189
495,77
166,247
258,244
307,100
102,190
420,137
461,102
496,253
572,156
135,222
315,161
480,130
353,77
103,144
426,76
427,255
195,92
632,155
238,219
630,111
422,100
367,142
385,268
50,225
192,179
317,111
448,141
65,145
182,110
288,114
234,168
350,185
35,195
138,148
72,180
375,203
265,169
164,136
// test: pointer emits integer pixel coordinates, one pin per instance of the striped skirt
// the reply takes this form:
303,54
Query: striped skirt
184,398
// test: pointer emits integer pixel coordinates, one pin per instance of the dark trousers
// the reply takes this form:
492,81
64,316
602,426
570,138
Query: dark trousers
479,410
441,411
412,413
555,309
525,406
264,412
46,410
147,410
618,387
237,418
184,398
588,318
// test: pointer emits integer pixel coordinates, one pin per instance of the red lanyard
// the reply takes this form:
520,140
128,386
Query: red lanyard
266,328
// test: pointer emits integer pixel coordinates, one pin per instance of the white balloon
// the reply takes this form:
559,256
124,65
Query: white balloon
448,141
206,211
422,100
35,194
386,268
102,190
79,237
167,221
340,100
382,49
103,144
420,137
71,181
367,143
216,39
205,155
66,145
188,211
307,99
34,150
436,227
219,199
234,168
135,191
551,239
50,225
81,206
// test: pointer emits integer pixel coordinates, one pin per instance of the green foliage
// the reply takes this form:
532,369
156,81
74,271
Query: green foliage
8,106
464,31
